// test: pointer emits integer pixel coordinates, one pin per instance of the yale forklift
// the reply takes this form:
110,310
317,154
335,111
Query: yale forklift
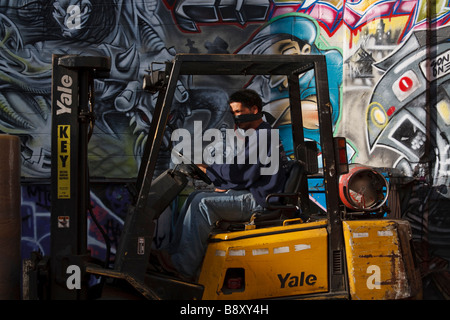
352,250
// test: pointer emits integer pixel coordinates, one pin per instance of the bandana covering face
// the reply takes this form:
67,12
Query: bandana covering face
247,117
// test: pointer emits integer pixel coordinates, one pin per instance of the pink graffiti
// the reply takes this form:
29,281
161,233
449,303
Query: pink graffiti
331,18
331,15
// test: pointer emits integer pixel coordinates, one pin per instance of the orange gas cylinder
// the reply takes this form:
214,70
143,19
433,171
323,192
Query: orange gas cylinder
363,188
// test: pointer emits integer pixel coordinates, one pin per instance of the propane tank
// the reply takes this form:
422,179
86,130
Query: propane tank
363,188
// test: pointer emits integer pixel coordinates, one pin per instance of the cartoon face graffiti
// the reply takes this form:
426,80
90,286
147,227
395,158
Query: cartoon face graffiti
294,33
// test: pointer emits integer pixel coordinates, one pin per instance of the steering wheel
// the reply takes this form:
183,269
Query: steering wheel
191,169
195,172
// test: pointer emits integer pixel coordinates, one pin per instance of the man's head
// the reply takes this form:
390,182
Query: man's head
246,107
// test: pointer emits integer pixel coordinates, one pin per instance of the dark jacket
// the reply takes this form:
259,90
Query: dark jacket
249,174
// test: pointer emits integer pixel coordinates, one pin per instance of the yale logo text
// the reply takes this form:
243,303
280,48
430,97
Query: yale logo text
296,281
65,100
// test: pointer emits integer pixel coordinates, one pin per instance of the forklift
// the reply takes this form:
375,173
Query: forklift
351,251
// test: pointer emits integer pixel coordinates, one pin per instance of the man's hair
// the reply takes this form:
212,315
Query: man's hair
247,97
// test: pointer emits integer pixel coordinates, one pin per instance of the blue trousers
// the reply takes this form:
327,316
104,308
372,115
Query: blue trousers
196,220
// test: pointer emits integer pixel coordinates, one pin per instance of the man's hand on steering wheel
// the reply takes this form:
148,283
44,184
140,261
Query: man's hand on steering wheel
203,168
190,169
195,171
200,170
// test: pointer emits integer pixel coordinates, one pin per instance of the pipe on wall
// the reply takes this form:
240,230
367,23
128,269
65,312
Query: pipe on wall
10,218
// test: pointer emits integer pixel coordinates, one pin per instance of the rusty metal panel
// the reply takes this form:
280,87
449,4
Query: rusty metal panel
379,264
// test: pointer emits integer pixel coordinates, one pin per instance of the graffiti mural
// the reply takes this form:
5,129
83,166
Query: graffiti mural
388,66
109,203
398,75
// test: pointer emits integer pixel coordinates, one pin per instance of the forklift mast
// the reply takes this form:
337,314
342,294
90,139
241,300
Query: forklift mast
72,104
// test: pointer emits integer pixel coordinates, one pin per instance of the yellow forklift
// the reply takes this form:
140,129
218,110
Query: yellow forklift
350,251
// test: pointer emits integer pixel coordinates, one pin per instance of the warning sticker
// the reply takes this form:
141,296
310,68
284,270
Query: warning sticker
141,246
63,221
63,162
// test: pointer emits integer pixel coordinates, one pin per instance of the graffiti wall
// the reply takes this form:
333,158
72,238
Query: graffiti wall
388,65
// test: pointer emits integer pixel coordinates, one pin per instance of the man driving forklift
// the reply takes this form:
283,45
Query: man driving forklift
241,188
274,254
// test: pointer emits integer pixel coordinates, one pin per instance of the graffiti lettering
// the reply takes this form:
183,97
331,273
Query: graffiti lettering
330,16
438,67
358,13
40,194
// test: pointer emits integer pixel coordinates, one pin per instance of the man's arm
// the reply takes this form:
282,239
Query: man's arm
203,167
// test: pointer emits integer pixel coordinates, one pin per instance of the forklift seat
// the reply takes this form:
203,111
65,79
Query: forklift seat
286,205
279,206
